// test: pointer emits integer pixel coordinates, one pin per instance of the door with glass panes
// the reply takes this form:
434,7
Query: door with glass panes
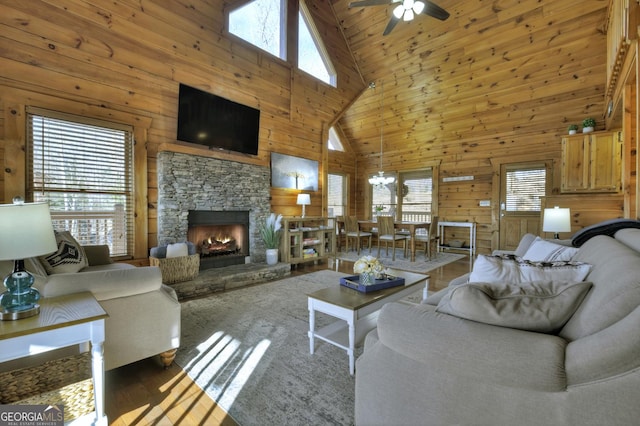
521,188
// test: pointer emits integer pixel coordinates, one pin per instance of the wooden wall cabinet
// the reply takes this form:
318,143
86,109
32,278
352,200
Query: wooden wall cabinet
306,239
592,162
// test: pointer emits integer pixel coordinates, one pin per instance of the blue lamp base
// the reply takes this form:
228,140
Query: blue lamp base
20,300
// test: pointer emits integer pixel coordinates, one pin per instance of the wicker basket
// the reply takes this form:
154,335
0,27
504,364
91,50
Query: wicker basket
177,269
65,381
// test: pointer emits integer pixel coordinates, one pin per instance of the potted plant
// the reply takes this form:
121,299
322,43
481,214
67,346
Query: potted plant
573,128
588,125
270,232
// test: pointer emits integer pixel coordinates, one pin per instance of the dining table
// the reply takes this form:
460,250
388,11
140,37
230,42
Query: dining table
411,226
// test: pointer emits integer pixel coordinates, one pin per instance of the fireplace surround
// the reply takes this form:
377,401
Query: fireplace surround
189,183
221,237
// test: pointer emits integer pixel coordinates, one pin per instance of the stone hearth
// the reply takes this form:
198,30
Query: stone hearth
230,277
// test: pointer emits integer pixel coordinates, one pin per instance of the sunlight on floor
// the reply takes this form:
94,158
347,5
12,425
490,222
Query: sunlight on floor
228,366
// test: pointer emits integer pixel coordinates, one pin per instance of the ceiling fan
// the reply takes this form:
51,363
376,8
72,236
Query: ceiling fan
405,10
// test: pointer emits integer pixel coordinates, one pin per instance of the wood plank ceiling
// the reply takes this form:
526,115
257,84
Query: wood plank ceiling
494,69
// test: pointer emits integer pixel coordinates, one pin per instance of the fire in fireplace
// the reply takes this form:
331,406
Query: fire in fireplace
222,237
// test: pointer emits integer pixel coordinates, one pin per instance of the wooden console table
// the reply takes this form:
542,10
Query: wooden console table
63,321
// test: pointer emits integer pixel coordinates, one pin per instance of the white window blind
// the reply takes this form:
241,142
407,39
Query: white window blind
525,186
336,195
84,169
417,191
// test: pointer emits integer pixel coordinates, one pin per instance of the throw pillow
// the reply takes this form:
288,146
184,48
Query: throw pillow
542,250
541,306
514,270
69,257
177,250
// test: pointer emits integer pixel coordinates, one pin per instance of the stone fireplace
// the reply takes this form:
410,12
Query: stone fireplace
221,237
238,193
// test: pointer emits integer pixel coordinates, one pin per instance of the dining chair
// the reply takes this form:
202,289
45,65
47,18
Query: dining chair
340,231
352,231
429,239
387,233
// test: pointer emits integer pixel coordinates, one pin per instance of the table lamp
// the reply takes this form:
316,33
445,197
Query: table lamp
303,200
556,220
25,231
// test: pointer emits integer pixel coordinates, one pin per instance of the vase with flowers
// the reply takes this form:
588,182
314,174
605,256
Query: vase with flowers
369,268
270,231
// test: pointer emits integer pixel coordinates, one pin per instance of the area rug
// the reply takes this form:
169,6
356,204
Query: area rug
249,350
421,264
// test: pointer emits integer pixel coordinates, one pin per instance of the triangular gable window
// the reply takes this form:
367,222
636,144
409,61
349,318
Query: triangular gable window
335,144
263,24
312,56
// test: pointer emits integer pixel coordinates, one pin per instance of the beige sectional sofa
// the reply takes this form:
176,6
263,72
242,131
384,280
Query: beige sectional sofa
424,366
144,314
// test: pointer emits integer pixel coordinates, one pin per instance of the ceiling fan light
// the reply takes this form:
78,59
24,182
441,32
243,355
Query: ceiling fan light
408,15
408,4
418,7
398,11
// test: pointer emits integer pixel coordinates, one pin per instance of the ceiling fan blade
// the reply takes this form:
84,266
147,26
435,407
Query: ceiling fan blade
391,25
434,10
371,3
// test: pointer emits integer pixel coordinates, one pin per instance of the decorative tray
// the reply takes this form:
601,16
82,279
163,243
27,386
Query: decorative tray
353,282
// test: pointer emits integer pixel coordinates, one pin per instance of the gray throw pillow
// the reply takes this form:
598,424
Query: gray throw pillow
540,306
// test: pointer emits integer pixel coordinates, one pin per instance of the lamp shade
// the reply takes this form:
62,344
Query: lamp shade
304,199
557,220
26,231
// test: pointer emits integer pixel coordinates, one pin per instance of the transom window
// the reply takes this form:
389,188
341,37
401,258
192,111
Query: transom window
84,169
263,23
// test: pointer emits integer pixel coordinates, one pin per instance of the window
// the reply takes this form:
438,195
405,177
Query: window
84,169
263,23
337,195
414,202
383,199
524,187
335,143
312,56
417,197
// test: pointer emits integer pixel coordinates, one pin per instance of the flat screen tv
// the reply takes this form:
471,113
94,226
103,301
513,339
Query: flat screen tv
216,122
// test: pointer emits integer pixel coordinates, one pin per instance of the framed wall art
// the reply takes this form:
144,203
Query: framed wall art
293,172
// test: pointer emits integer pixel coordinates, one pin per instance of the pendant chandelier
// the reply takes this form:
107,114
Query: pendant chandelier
380,181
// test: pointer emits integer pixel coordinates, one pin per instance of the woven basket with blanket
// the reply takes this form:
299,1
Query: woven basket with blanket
178,262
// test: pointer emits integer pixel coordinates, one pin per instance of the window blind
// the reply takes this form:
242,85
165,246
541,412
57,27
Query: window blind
336,194
417,191
525,186
84,169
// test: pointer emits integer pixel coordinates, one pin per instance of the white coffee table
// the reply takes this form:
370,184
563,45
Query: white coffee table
356,312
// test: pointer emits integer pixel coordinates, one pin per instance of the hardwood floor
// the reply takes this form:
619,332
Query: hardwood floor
143,393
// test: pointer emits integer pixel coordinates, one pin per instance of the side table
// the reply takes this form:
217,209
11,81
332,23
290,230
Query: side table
63,321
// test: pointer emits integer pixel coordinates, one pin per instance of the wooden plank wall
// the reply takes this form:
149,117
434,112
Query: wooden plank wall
125,58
